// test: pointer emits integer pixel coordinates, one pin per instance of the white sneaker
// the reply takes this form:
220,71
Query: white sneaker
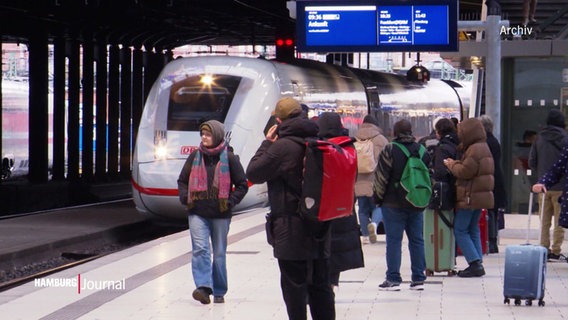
372,227
365,240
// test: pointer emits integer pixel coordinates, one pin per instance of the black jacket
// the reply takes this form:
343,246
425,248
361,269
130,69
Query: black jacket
446,148
280,165
546,150
499,192
209,208
392,161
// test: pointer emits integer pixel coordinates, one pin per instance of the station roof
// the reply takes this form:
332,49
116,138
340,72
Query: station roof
160,24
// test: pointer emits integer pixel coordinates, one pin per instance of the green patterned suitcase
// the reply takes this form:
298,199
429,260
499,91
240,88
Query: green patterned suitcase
439,241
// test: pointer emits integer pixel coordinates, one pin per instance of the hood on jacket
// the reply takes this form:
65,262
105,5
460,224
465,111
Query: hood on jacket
299,127
368,131
471,131
330,125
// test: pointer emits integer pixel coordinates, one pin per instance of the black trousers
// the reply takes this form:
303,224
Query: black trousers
298,289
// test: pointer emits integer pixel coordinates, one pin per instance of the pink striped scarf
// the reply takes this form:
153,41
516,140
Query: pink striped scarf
221,186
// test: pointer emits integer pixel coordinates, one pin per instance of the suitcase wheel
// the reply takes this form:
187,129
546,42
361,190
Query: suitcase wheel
541,303
507,301
517,302
429,273
528,302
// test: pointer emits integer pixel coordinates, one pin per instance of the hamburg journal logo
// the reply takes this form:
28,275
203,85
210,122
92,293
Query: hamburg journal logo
80,284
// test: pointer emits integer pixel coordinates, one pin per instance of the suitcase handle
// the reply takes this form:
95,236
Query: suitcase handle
541,212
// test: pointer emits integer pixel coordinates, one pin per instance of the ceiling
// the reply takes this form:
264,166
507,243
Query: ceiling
156,24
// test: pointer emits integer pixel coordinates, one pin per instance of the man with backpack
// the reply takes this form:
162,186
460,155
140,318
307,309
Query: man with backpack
302,248
403,189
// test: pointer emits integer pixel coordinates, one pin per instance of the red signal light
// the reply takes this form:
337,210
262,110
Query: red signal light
284,42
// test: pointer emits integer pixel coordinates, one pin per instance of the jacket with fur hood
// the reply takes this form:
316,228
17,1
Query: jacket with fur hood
474,172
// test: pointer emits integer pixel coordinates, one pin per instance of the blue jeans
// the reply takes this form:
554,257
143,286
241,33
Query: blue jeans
397,221
205,274
368,213
466,230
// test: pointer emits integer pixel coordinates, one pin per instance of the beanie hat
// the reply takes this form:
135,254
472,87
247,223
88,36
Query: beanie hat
217,130
287,108
370,119
556,118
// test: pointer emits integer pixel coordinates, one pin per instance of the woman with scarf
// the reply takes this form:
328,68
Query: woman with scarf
205,186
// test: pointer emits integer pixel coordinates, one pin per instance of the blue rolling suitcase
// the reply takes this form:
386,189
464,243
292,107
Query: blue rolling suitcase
525,269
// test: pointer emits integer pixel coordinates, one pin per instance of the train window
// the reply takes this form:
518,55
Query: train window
193,101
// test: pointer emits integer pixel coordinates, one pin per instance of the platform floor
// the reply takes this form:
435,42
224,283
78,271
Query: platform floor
153,281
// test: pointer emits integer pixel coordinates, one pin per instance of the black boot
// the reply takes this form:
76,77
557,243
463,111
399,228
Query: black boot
493,248
475,269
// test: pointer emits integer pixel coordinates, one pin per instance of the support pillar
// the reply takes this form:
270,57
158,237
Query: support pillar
38,108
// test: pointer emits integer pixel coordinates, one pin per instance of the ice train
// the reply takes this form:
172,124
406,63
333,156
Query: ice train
242,92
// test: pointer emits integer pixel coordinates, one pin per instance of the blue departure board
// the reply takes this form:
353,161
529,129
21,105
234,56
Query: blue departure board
352,26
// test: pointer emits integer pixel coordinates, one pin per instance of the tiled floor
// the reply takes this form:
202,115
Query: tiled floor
153,281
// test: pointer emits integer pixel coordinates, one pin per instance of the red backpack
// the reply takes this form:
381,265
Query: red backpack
330,171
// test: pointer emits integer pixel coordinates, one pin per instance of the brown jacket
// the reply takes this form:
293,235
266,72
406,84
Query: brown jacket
474,172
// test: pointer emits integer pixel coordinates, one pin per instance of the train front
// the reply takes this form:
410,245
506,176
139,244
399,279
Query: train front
188,92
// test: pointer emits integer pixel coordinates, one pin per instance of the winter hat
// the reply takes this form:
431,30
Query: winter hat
370,119
217,130
556,118
287,108
330,125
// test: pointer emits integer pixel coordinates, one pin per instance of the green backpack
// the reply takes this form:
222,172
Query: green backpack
415,178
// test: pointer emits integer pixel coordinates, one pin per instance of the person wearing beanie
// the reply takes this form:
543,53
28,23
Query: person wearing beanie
544,153
296,245
474,191
211,182
370,216
346,252
399,215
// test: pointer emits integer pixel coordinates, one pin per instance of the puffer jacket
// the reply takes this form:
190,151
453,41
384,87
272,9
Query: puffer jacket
280,165
364,183
474,172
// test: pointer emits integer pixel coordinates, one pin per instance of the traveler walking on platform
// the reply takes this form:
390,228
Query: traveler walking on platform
544,153
346,253
399,215
302,249
495,214
369,217
474,191
210,184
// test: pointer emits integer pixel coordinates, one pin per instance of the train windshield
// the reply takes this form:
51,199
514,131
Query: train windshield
196,99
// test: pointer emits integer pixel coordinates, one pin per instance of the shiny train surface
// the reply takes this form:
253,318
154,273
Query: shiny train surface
242,93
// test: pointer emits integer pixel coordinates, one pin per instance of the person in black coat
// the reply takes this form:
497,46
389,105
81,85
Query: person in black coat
346,252
302,250
447,148
205,186
496,219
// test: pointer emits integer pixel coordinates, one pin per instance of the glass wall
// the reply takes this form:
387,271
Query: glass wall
531,87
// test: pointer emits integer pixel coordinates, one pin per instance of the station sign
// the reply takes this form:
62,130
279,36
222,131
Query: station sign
377,26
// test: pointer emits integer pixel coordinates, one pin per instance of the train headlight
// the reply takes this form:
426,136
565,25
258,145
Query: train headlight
160,152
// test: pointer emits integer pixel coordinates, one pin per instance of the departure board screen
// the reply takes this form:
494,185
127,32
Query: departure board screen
331,26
